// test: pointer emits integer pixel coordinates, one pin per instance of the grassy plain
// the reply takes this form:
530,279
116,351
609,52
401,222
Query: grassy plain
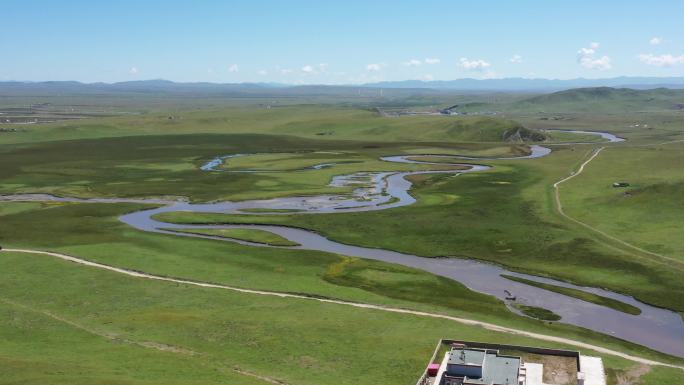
304,121
649,212
149,166
92,231
504,215
39,346
537,312
123,330
251,235
594,100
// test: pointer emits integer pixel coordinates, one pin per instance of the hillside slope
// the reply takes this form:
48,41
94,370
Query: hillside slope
358,124
603,100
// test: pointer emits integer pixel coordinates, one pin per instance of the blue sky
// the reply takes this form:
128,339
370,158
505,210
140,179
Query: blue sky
333,42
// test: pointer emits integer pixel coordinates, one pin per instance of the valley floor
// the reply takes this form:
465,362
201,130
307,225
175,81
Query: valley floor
85,298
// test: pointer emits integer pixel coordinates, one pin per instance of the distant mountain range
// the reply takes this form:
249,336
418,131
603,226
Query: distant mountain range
199,89
389,89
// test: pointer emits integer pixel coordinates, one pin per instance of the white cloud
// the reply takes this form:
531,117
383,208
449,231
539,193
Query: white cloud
262,72
427,77
474,65
586,51
312,70
285,71
583,52
586,58
233,68
375,67
515,59
601,64
666,60
656,40
133,71
412,63
418,62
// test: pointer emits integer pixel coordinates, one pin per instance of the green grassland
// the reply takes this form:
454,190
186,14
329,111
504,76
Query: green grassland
91,231
151,166
141,332
286,161
505,216
266,210
537,312
583,295
38,348
643,116
85,325
598,100
603,100
649,212
222,330
250,235
313,122
638,127
493,152
482,150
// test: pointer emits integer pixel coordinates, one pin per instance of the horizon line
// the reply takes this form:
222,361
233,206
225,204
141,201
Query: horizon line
653,78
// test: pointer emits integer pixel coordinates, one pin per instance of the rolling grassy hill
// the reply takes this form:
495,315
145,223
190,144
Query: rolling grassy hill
304,121
605,99
590,100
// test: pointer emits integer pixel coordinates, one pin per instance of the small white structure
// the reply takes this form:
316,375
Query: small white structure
533,374
592,372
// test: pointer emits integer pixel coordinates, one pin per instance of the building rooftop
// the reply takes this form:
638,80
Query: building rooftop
500,369
467,357
496,369
479,363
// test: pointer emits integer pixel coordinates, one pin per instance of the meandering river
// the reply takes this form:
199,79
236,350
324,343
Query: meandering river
656,328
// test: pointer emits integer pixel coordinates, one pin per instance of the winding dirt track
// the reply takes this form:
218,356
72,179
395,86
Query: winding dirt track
559,208
464,321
